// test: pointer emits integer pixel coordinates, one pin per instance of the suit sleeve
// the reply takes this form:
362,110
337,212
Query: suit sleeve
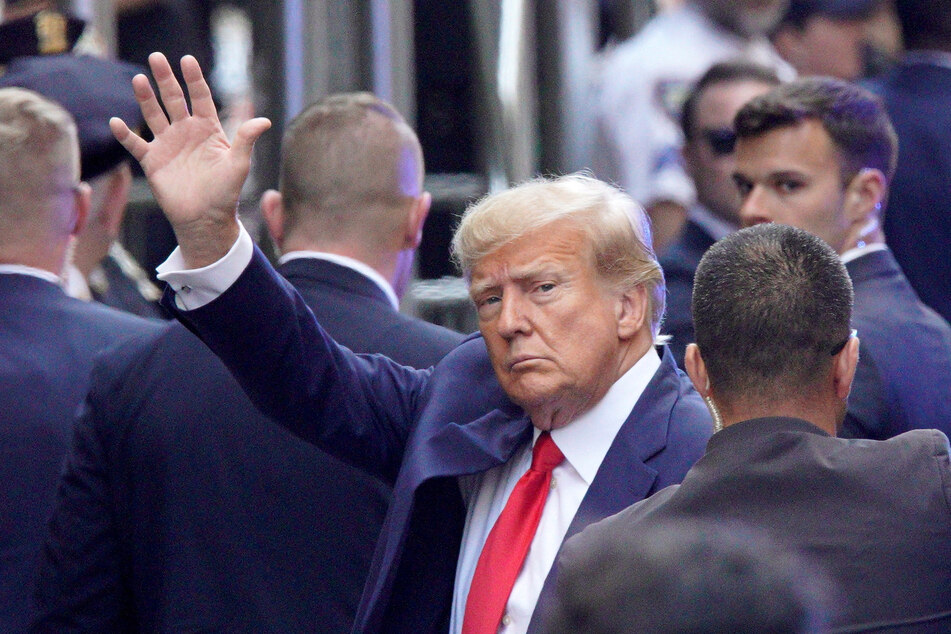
79,580
356,407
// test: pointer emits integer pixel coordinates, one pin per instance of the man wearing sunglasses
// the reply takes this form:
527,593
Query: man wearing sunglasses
707,123
819,154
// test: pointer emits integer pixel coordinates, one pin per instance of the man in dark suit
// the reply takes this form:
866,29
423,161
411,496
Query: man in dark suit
709,141
775,357
48,339
569,298
92,89
819,154
182,507
917,95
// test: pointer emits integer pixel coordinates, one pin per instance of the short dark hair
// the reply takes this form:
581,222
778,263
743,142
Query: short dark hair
925,24
771,303
722,73
688,576
854,119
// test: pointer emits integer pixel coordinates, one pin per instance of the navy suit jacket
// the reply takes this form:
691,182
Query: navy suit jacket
904,369
185,509
679,264
918,220
47,344
874,515
421,430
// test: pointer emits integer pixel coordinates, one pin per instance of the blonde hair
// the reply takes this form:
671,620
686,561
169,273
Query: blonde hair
39,161
617,227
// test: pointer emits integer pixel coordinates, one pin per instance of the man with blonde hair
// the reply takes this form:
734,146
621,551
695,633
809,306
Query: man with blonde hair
47,339
559,414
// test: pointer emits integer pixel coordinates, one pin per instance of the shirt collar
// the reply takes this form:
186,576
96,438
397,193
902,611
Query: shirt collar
857,252
586,440
21,269
935,58
350,263
716,227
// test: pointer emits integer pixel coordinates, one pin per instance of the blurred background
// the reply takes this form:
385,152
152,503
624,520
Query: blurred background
498,90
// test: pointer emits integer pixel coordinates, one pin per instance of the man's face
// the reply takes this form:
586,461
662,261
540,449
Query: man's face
709,155
792,175
550,324
746,17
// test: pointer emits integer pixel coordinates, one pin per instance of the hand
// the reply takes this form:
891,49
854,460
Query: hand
196,175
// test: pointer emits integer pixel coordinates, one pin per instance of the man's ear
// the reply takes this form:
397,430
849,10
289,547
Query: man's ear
632,311
82,198
865,195
416,219
272,210
843,370
115,200
697,370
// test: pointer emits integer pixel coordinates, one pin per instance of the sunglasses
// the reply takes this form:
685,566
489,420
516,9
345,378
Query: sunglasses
721,140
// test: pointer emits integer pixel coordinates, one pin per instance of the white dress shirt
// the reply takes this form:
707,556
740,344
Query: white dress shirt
350,263
584,443
21,269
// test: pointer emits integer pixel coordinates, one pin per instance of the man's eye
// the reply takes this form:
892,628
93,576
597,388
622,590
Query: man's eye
743,187
547,287
788,186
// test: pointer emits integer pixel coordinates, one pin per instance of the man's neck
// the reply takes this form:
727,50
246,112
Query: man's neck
823,418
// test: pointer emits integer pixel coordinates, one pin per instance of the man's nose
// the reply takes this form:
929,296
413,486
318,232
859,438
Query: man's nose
754,209
513,317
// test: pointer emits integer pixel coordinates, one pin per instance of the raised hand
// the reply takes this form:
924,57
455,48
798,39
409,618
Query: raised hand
196,175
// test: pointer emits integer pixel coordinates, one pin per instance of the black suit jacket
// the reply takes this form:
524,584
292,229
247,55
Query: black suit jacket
904,372
184,509
918,220
47,344
679,264
875,515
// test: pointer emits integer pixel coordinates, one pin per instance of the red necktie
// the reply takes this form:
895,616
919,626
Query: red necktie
508,542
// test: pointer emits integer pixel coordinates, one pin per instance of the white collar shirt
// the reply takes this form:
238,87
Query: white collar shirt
22,269
350,263
584,442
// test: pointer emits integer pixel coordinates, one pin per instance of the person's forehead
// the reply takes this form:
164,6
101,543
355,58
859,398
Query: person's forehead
555,246
720,102
804,146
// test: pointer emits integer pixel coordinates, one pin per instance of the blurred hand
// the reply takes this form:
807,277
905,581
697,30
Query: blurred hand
196,175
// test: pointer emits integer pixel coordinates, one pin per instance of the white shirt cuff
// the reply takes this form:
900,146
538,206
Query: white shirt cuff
196,287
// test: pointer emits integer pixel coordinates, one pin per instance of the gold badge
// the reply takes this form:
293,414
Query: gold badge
51,33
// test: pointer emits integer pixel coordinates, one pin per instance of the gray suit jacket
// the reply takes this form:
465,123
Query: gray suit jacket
874,514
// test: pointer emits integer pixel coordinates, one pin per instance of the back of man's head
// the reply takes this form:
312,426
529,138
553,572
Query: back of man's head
854,119
39,168
771,308
349,161
689,578
925,24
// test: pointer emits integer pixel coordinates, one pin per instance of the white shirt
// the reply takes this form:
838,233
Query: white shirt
21,269
857,252
350,263
641,87
584,443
